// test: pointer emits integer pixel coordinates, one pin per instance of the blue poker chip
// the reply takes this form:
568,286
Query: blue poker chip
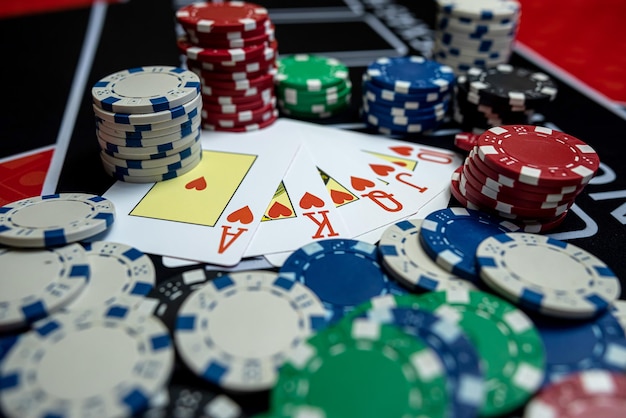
414,101
342,272
145,89
451,236
385,108
458,355
573,346
400,125
410,74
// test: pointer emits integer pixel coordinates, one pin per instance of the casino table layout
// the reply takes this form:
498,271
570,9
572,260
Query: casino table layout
54,52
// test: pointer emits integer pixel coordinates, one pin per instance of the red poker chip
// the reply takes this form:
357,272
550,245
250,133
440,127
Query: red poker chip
262,82
245,128
229,36
465,141
208,91
229,109
590,393
204,41
535,226
266,95
516,211
514,200
222,17
268,59
471,170
538,156
221,56
244,117
509,182
230,77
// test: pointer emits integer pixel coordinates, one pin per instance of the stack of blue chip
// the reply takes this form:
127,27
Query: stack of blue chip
405,95
475,33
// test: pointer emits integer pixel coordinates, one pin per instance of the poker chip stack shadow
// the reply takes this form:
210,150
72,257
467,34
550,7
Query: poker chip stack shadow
503,95
231,47
528,174
406,95
312,87
148,123
473,33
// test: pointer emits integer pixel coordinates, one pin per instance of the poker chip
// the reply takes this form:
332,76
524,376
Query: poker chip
119,273
217,340
475,34
312,86
38,282
404,259
332,371
575,346
207,17
537,155
131,354
231,47
509,345
165,299
590,288
145,89
342,272
588,393
405,95
450,237
464,378
51,220
148,113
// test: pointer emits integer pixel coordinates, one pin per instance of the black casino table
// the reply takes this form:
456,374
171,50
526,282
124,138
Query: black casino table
55,52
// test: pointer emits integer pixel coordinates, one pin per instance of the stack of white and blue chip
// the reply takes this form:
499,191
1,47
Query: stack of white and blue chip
472,33
148,123
406,95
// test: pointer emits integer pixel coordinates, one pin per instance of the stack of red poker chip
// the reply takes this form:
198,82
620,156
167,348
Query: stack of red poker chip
528,174
231,47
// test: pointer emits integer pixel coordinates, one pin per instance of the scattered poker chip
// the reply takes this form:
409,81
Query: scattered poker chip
589,393
38,282
464,378
131,353
509,345
145,89
332,371
165,299
575,346
343,273
216,339
207,17
590,288
538,155
119,274
404,258
52,220
193,402
450,237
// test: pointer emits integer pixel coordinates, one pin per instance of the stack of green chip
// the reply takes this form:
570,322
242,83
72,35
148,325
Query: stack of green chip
311,86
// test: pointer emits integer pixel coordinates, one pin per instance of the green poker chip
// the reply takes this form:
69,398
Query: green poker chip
373,370
329,96
511,350
310,72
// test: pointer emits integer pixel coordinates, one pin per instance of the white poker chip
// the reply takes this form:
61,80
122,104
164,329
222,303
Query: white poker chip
37,282
146,89
51,220
480,9
546,275
119,274
237,330
405,259
87,363
179,113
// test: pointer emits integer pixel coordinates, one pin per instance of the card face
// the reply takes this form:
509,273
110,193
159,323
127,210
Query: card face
300,212
375,181
211,213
